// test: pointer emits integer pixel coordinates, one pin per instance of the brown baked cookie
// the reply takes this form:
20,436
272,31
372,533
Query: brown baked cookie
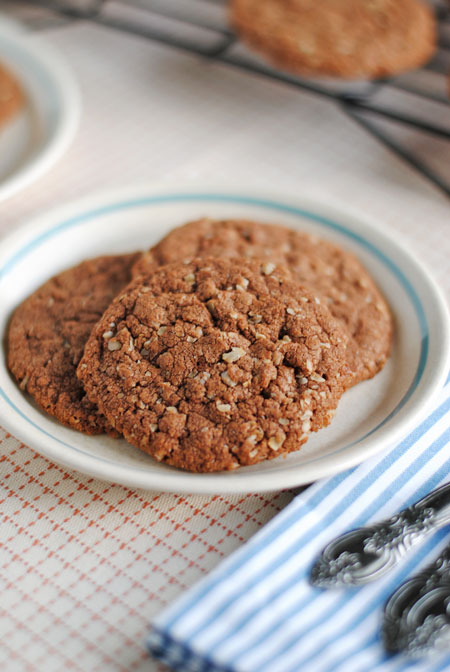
216,363
349,39
11,95
48,332
342,281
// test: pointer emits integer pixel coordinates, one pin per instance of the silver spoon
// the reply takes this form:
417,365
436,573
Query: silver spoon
417,615
367,553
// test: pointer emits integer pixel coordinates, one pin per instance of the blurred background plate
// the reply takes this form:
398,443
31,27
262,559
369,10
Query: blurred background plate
33,140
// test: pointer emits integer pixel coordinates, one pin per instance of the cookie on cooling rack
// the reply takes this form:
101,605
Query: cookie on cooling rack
343,283
216,363
353,39
48,332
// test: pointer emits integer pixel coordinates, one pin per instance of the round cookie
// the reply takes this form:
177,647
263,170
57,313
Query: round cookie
345,285
216,363
48,332
348,39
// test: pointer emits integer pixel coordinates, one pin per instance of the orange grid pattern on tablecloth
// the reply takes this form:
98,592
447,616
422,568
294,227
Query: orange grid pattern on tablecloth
85,565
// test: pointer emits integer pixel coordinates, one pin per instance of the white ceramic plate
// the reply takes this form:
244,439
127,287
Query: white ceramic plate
33,140
370,417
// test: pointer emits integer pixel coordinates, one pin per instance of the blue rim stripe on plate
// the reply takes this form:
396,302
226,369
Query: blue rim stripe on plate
238,200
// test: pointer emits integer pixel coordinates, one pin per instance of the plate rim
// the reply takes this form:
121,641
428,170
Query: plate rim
431,379
68,97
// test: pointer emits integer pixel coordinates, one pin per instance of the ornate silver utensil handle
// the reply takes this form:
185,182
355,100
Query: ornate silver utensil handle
417,615
365,554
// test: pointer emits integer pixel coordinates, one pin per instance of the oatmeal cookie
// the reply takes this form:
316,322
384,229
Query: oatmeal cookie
48,332
216,363
343,283
348,39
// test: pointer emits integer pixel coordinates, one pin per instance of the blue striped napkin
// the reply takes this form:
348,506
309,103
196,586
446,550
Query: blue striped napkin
257,612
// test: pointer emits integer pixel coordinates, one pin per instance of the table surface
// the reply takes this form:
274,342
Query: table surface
85,565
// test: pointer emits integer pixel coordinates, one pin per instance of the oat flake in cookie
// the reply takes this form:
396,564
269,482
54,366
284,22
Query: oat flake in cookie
339,38
342,282
48,332
216,363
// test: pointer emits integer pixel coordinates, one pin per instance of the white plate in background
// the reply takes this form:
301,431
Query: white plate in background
35,138
371,416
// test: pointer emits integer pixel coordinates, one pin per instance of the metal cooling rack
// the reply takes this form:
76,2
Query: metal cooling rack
200,27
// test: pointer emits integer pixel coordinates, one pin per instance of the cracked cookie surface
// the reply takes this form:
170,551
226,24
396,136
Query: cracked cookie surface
216,363
48,332
346,287
347,39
